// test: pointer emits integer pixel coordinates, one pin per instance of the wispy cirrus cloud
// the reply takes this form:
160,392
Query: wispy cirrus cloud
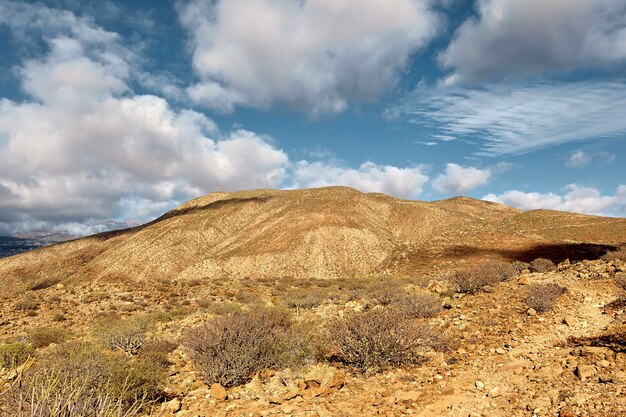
520,118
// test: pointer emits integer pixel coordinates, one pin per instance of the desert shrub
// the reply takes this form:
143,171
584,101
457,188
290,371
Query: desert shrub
79,379
224,308
417,306
519,266
617,255
477,278
157,351
44,283
503,270
58,316
27,305
128,335
44,336
385,292
620,280
305,298
230,349
203,302
377,339
542,265
542,297
15,354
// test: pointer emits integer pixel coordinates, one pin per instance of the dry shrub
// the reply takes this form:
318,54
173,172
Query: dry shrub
377,339
417,306
27,304
520,266
617,255
542,265
40,337
477,278
157,351
224,309
620,280
128,335
203,302
543,297
305,298
42,284
58,316
385,292
79,379
230,349
15,354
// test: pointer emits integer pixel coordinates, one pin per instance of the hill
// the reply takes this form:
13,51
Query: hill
333,232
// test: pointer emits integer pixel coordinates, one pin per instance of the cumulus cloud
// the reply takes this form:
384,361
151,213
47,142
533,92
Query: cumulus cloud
576,198
518,37
369,177
578,159
315,55
520,118
458,179
85,148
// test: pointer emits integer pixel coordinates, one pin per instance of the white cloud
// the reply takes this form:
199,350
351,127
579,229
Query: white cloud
369,177
520,118
577,199
517,37
578,159
86,149
458,179
316,55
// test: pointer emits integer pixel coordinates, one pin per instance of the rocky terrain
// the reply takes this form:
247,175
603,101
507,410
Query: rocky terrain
503,349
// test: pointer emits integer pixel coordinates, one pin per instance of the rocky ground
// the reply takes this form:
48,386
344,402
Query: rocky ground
510,360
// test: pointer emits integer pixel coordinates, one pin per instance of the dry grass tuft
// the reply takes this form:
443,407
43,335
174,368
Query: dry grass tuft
40,337
542,265
478,278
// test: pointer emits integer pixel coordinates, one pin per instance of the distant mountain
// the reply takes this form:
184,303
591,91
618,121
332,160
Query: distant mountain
325,233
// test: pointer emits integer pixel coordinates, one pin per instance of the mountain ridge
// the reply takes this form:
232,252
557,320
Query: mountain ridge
331,232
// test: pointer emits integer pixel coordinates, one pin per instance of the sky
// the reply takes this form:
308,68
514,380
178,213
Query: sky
119,111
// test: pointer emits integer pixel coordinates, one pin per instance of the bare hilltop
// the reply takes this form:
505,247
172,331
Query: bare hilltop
333,232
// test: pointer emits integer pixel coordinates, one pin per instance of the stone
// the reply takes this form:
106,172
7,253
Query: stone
408,397
218,392
173,406
480,385
531,312
585,371
523,281
569,321
500,351
567,411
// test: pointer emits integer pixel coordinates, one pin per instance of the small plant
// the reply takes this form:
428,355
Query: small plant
27,305
15,354
157,351
417,306
542,265
617,255
378,339
42,284
620,280
520,266
40,337
58,316
478,278
543,297
128,335
230,349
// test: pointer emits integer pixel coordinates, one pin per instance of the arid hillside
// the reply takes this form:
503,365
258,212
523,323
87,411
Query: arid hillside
333,232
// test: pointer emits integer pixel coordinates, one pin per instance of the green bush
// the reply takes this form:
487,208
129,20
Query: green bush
126,334
230,349
15,354
378,339
44,336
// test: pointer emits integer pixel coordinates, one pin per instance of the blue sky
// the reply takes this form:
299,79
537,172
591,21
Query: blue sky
115,110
